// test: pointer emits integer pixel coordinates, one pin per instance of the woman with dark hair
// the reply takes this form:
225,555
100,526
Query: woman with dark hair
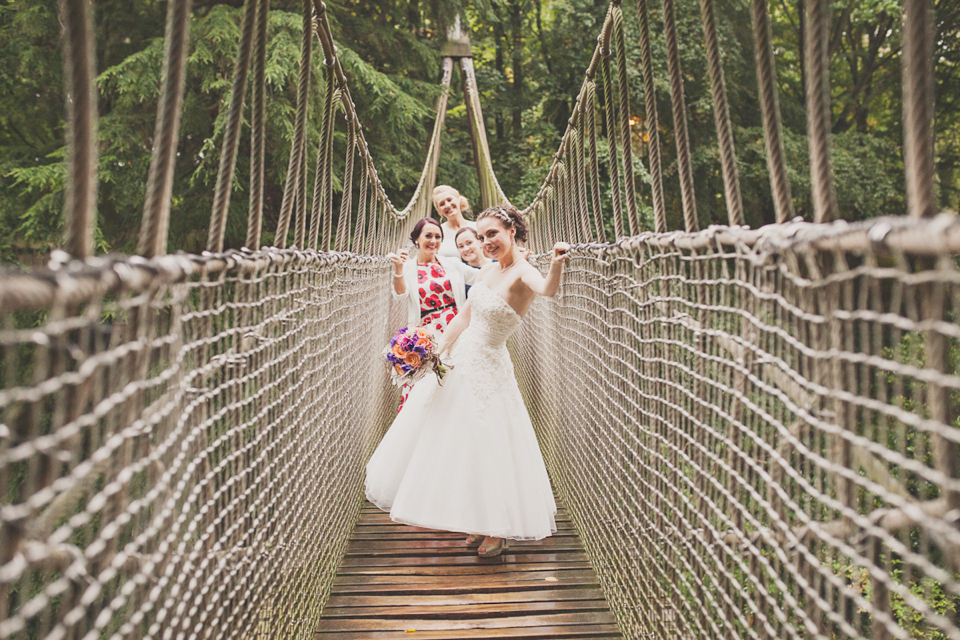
432,286
469,246
463,456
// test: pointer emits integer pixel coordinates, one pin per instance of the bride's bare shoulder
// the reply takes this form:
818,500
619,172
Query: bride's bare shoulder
529,273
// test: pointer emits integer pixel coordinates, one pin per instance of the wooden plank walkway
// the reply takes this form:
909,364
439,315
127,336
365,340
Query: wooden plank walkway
406,582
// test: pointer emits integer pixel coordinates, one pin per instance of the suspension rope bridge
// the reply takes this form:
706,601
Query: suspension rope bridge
754,432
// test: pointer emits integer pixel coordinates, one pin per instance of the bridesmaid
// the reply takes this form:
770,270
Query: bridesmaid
470,248
451,206
432,286
468,244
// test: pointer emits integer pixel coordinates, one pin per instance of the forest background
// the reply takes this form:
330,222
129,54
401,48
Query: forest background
530,57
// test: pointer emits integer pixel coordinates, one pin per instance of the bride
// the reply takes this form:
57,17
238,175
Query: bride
463,456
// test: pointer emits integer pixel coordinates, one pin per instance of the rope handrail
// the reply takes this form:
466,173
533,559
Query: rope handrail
701,411
754,430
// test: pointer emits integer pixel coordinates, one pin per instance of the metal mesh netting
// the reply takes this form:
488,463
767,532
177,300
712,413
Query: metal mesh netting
183,442
756,433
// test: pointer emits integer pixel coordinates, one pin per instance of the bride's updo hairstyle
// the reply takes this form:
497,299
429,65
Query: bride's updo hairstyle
509,217
418,228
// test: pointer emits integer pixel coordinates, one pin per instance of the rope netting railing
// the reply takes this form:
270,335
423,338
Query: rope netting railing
756,432
183,442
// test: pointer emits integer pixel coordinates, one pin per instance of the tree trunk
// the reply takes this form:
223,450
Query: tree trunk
543,43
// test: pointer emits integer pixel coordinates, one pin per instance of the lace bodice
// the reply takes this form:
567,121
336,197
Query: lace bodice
490,316
481,353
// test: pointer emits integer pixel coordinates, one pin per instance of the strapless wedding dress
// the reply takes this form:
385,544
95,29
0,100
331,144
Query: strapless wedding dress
463,456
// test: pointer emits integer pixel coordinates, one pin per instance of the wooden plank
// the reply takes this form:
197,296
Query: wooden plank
483,584
398,531
576,576
555,619
467,612
433,570
381,561
542,595
449,547
397,581
579,631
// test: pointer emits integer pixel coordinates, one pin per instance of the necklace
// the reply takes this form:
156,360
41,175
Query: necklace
512,265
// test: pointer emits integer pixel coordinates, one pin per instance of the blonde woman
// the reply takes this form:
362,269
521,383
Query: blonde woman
451,206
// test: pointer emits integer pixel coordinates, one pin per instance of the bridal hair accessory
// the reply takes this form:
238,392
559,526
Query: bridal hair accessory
411,354
500,214
509,217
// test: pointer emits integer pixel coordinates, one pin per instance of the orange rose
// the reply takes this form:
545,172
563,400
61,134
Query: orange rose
412,359
423,342
423,334
398,351
398,369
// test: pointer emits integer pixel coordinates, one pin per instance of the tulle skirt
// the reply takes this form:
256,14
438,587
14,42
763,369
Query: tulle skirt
464,457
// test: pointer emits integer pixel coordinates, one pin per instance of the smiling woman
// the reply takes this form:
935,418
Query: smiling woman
463,456
469,246
432,286
451,205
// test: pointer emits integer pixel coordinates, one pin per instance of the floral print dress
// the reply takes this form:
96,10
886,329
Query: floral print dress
437,305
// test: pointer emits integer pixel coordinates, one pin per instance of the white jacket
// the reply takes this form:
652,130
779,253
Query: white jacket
460,275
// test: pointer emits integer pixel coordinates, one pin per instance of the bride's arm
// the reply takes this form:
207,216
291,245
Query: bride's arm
548,286
454,329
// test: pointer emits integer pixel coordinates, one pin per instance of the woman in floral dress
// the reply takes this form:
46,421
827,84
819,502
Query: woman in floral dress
432,286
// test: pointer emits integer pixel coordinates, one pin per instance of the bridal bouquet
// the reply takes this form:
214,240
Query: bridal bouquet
411,354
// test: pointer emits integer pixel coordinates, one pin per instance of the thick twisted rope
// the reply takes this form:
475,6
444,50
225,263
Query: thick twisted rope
818,110
918,108
80,200
258,128
580,178
320,216
610,118
343,222
154,226
770,110
491,193
626,142
231,132
298,145
360,234
721,115
682,138
652,123
589,112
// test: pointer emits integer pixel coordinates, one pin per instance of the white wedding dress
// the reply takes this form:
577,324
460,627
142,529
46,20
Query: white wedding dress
463,456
